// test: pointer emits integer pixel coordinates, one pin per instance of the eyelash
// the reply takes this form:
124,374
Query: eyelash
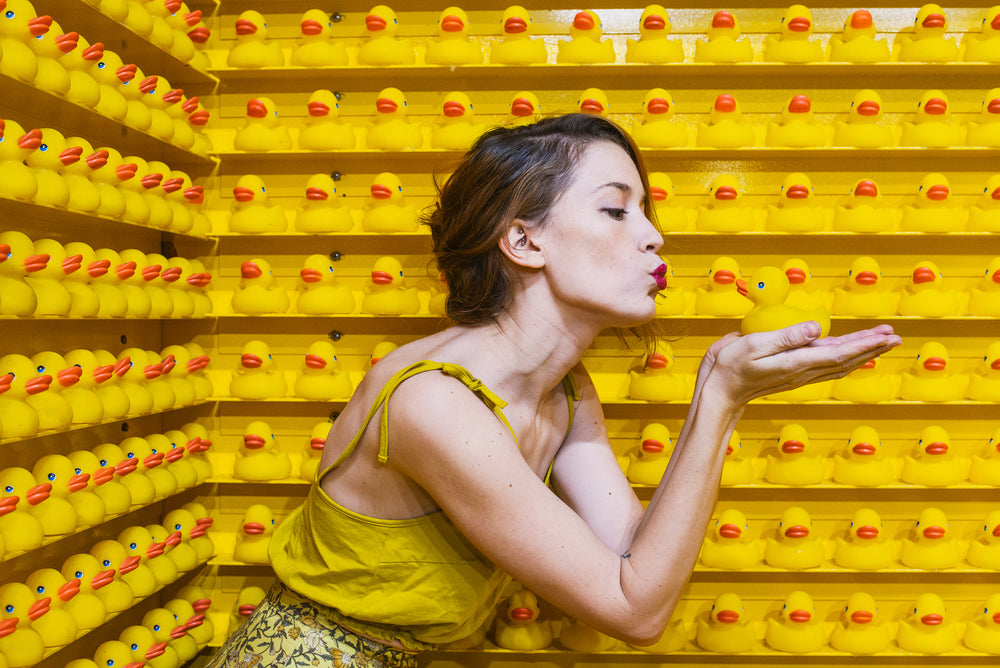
616,214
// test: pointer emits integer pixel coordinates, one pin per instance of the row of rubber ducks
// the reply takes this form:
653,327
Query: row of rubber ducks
45,167
64,494
49,391
796,460
188,34
794,544
38,51
260,457
793,625
48,278
791,40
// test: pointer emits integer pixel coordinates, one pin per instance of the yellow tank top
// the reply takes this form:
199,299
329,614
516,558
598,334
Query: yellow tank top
418,581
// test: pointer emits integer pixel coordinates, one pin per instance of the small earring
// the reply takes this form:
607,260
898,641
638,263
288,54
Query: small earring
522,241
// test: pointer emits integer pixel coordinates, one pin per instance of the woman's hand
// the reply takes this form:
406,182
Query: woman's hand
743,368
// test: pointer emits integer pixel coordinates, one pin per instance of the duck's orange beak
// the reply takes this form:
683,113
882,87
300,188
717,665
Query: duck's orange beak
725,103
583,21
730,531
724,277
799,24
385,106
866,532
935,364
256,108
723,20
933,21
245,27
253,441
311,28
654,22
935,106
795,275
315,361
380,191
68,41
452,23
725,193
861,19
792,446
521,107
862,616
933,532
741,287
253,528
658,106
316,194
381,278
515,25
868,108
374,23
800,616
452,109
318,109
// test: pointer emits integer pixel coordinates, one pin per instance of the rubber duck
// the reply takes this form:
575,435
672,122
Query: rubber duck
859,630
863,462
721,297
17,180
198,118
724,210
254,535
322,378
793,43
518,627
174,444
20,25
723,43
586,45
310,458
134,381
796,629
927,42
865,124
146,650
670,215
388,210
168,631
150,463
517,46
175,549
930,379
20,643
926,295
984,46
323,130
83,194
18,382
174,281
320,291
263,130
729,544
864,546
797,209
50,46
984,216
164,102
768,290
252,211
246,602
258,291
196,371
984,382
117,595
137,113
257,377
437,302
593,101
380,350
84,300
857,43
863,293
108,170
19,527
648,462
736,469
985,129
138,542
797,126
985,468
85,575
390,131
656,127
982,634
140,488
932,124
795,462
113,653
456,127
53,155
17,260
322,209
802,292
47,282
795,545
381,46
108,284
112,493
315,48
113,398
386,293
984,550
929,629
930,545
197,624
725,628
193,537
260,458
111,73
83,88
933,209
253,49
524,109
54,412
659,380
70,488
725,126
579,637
145,203
864,210
654,44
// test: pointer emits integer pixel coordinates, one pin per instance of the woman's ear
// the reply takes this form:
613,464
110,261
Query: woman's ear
517,245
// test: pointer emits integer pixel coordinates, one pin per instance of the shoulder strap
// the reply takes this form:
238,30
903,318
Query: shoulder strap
572,398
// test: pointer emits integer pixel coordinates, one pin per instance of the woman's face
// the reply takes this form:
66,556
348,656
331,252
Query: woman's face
600,249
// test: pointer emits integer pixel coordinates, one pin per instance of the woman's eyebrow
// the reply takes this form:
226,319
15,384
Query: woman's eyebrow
624,187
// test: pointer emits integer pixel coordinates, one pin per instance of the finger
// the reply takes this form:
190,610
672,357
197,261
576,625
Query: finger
788,338
818,374
833,340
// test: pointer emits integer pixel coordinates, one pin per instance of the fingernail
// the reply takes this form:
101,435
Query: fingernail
811,329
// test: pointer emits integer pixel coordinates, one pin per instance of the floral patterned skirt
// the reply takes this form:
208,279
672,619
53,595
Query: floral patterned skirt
287,629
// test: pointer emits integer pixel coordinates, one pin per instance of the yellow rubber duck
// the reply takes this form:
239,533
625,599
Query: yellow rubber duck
134,381
932,125
794,44
456,127
593,101
116,595
985,469
796,629
654,44
193,535
797,127
322,209
322,378
863,463
54,412
258,291
140,488
84,301
797,209
586,44
659,380
723,43
113,398
108,171
670,215
725,628
518,628
387,210
20,26
380,350
17,180
724,210
20,529
926,294
859,630
138,114
984,216
114,653
246,602
175,275
254,535
984,551
927,42
111,73
982,634
83,89
310,458
579,637
720,297
257,377
18,382
185,201
52,591
453,45
50,47
984,383
729,545
795,462
138,542
320,291
83,572
135,280
930,545
196,371
656,127
864,293
48,163
517,47
524,109
175,549
381,46
768,290
18,260
725,127
864,211
200,539
390,131
20,644
252,211
112,493
858,43
865,124
736,469
648,462
260,458
263,131
150,463
173,445
168,630
323,130
160,277
985,129
83,194
315,48
72,489
386,293
795,545
145,649
929,629
802,292
864,545
47,282
930,378
198,626
108,284
164,103
253,49
984,46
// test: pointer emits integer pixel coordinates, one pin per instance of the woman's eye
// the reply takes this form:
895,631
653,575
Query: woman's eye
616,214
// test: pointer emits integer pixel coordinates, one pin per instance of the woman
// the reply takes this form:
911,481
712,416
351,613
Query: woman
420,513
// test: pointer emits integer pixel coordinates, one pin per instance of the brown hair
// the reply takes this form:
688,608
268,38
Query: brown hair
511,172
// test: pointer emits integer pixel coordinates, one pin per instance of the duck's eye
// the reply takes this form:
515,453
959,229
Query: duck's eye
263,189
101,65
9,14
78,575
103,462
330,269
134,646
40,589
400,272
111,662
51,476
8,489
131,455
77,471
132,546
106,563
760,285
400,188
41,368
43,147
156,627
177,527
9,608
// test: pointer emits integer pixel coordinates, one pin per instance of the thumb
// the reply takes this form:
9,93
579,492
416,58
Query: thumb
793,336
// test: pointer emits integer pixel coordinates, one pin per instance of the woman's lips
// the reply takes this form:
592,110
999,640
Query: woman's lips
660,274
